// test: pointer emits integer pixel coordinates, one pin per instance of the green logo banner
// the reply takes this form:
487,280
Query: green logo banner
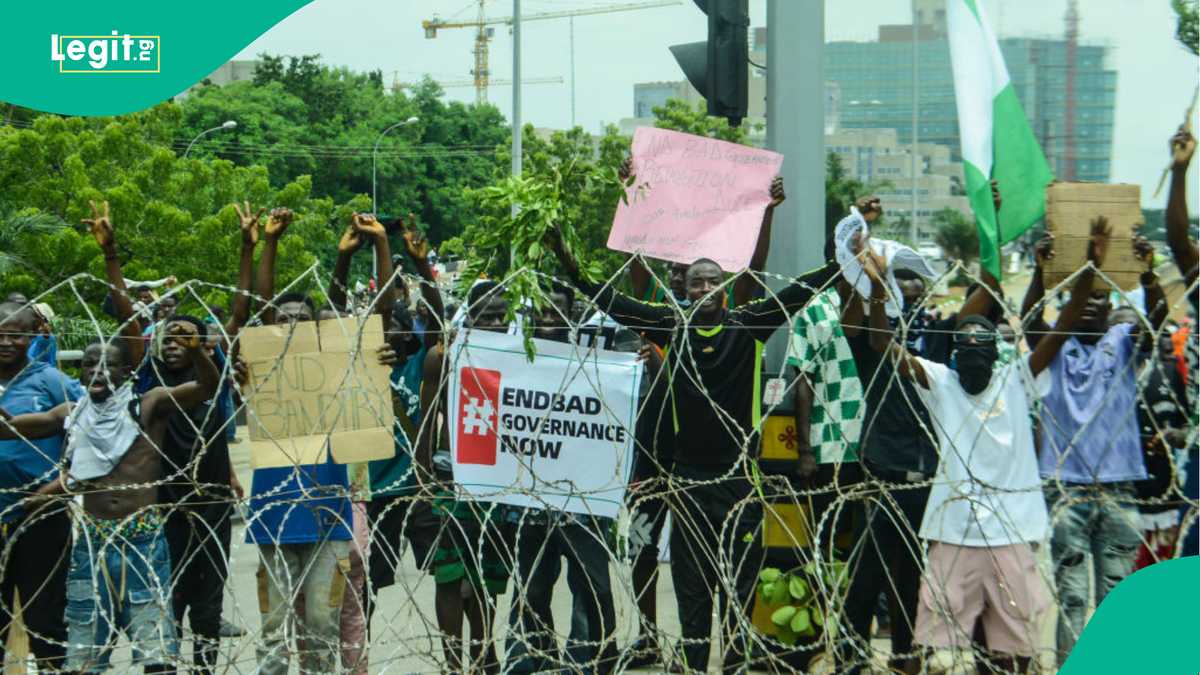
83,57
1146,624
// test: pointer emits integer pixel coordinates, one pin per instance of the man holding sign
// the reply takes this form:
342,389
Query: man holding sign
715,359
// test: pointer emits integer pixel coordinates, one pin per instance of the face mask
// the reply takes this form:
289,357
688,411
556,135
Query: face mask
974,364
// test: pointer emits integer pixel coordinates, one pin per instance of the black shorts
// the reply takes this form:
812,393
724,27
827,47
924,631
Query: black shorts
394,517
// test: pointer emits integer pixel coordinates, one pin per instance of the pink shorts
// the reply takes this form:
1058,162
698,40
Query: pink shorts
1001,585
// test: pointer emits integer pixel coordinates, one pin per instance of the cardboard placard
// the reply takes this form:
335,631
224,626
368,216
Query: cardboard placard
1070,209
316,388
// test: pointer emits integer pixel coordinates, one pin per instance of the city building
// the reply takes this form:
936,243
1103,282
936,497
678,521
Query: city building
228,72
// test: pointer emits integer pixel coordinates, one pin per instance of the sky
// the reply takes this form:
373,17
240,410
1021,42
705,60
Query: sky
1155,75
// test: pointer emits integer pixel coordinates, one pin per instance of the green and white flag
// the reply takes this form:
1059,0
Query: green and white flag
996,139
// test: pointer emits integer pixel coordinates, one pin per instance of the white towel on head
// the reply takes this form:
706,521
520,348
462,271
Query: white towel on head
99,434
897,256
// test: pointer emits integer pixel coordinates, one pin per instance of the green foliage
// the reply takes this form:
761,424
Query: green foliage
679,116
554,194
299,117
1188,29
172,216
796,599
958,237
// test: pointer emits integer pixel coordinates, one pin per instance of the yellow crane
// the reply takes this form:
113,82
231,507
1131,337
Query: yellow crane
484,32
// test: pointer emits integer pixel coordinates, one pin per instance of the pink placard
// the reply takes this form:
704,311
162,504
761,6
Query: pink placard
699,198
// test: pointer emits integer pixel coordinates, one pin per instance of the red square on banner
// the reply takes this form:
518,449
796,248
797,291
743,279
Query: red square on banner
479,404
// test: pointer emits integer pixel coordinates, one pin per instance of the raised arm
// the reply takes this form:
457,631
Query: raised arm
1183,249
881,337
431,407
802,410
373,231
417,247
276,225
1047,348
188,395
105,235
248,221
1156,298
348,245
33,425
772,312
640,277
743,288
656,320
1032,309
979,303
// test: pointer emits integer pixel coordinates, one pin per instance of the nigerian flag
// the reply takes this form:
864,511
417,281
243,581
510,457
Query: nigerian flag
996,139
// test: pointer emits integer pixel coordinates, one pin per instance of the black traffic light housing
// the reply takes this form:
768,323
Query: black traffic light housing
719,68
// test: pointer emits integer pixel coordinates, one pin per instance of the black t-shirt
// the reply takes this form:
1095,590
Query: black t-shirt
896,434
1160,405
196,467
713,373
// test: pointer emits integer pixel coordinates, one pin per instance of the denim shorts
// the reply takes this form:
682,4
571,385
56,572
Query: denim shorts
119,583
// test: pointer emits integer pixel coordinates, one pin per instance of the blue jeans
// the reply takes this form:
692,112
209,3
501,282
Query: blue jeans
120,584
1100,520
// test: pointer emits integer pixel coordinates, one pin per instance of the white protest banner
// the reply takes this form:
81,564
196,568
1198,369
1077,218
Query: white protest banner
556,433
698,198
316,388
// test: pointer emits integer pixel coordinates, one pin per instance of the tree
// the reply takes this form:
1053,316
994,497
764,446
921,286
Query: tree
1188,29
172,216
678,115
956,235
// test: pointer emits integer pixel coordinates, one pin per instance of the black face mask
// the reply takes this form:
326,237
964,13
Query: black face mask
974,364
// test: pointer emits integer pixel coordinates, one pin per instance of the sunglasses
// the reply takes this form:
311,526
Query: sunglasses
979,337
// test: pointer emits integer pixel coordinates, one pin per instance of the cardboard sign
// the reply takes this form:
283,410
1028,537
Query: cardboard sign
553,434
316,388
699,198
1070,209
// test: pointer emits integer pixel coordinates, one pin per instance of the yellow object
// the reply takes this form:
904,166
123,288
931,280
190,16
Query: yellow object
779,438
785,526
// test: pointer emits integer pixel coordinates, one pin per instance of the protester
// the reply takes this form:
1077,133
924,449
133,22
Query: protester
985,510
1187,255
120,572
544,537
715,356
36,541
1091,451
301,516
468,566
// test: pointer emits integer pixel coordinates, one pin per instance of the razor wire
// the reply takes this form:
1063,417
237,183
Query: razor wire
408,631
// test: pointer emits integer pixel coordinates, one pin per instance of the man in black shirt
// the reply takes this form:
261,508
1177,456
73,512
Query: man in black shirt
713,364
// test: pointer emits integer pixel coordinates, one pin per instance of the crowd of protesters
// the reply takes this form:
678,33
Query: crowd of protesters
962,448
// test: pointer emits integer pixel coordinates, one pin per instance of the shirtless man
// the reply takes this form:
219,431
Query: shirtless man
120,567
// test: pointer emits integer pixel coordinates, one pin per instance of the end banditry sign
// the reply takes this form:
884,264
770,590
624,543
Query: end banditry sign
317,388
694,197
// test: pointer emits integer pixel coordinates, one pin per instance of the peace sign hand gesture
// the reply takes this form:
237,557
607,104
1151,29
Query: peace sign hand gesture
414,241
101,226
249,222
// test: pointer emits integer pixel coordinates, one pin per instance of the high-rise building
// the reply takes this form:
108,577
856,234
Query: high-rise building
876,83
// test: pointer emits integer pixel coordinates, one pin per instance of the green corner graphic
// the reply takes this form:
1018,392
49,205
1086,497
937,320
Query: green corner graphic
182,42
1147,624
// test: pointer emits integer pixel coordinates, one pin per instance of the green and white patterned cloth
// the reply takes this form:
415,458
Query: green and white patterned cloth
820,351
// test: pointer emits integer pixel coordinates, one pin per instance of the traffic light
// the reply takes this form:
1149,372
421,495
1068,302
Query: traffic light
719,67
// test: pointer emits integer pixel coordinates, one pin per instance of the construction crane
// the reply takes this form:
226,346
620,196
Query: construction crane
484,32
449,84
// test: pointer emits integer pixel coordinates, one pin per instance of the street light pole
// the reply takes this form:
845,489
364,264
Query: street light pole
374,182
228,124
375,159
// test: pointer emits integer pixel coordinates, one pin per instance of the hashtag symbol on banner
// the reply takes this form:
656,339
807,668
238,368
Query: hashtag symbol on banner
477,418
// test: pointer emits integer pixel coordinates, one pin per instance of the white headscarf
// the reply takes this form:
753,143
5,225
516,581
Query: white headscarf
99,434
896,254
